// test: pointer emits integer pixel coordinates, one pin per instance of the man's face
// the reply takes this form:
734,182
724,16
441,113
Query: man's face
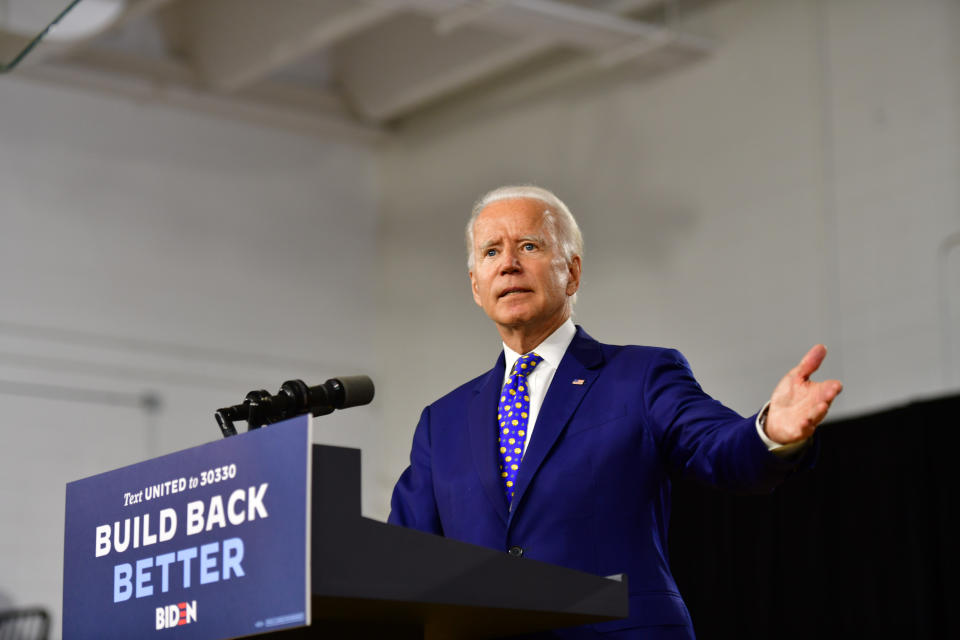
519,276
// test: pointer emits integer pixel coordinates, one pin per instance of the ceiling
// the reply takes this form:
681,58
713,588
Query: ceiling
359,68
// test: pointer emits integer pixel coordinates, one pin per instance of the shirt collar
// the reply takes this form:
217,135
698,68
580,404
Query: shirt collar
551,349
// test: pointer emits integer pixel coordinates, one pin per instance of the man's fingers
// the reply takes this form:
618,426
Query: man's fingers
811,361
821,413
830,390
833,389
824,393
799,404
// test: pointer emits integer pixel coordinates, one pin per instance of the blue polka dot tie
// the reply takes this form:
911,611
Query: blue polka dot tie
512,416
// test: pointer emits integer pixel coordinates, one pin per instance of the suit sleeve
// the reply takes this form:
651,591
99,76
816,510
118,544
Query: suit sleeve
413,504
702,438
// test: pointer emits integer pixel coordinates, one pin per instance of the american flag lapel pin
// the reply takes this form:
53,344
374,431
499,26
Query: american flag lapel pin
578,381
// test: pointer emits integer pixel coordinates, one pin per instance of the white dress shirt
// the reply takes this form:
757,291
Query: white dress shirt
552,351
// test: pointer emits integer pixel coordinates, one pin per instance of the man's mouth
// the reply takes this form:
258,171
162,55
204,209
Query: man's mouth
512,290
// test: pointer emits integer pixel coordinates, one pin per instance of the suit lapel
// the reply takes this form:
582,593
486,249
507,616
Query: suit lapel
483,436
581,362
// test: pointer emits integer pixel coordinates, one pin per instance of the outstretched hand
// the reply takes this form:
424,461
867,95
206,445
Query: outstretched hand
799,404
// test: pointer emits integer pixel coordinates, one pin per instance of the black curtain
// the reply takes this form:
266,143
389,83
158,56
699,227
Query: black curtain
863,545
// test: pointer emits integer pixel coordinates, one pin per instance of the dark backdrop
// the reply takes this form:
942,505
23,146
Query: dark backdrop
863,545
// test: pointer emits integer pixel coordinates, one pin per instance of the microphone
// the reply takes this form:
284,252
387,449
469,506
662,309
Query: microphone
335,393
295,398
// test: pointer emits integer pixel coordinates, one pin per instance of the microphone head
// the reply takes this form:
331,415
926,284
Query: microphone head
356,390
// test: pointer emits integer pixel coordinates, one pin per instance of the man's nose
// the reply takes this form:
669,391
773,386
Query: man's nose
510,261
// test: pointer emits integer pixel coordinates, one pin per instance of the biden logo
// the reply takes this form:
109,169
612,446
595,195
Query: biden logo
174,615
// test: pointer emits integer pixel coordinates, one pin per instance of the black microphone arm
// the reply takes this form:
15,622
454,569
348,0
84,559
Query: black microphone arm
295,398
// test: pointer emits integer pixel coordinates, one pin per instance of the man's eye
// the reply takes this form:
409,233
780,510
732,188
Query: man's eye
529,246
491,252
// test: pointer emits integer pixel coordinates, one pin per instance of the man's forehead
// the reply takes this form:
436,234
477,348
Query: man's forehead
512,214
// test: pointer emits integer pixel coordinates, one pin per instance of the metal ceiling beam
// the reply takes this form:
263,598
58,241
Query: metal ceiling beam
235,43
390,57
397,67
572,25
164,82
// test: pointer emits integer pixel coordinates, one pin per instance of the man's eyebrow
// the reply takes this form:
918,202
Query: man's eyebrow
537,239
490,243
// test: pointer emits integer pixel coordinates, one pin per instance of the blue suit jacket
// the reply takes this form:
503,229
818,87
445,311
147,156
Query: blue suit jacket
593,491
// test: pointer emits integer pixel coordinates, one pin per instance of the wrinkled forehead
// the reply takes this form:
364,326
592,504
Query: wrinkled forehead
514,216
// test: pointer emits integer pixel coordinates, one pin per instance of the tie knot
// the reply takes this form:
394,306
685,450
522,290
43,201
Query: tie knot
526,363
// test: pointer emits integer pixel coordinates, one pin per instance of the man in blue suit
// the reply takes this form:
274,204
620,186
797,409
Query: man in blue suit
563,451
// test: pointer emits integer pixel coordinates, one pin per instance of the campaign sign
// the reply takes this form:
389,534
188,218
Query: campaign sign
211,542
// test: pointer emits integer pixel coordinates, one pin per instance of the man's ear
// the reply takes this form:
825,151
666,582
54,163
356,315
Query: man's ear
474,288
573,272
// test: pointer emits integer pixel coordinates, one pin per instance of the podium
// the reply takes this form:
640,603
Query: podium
375,580
261,534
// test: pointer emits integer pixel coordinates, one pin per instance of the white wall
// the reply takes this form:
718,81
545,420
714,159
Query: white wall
791,188
148,250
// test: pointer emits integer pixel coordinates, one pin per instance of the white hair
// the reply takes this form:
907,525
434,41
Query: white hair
560,221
